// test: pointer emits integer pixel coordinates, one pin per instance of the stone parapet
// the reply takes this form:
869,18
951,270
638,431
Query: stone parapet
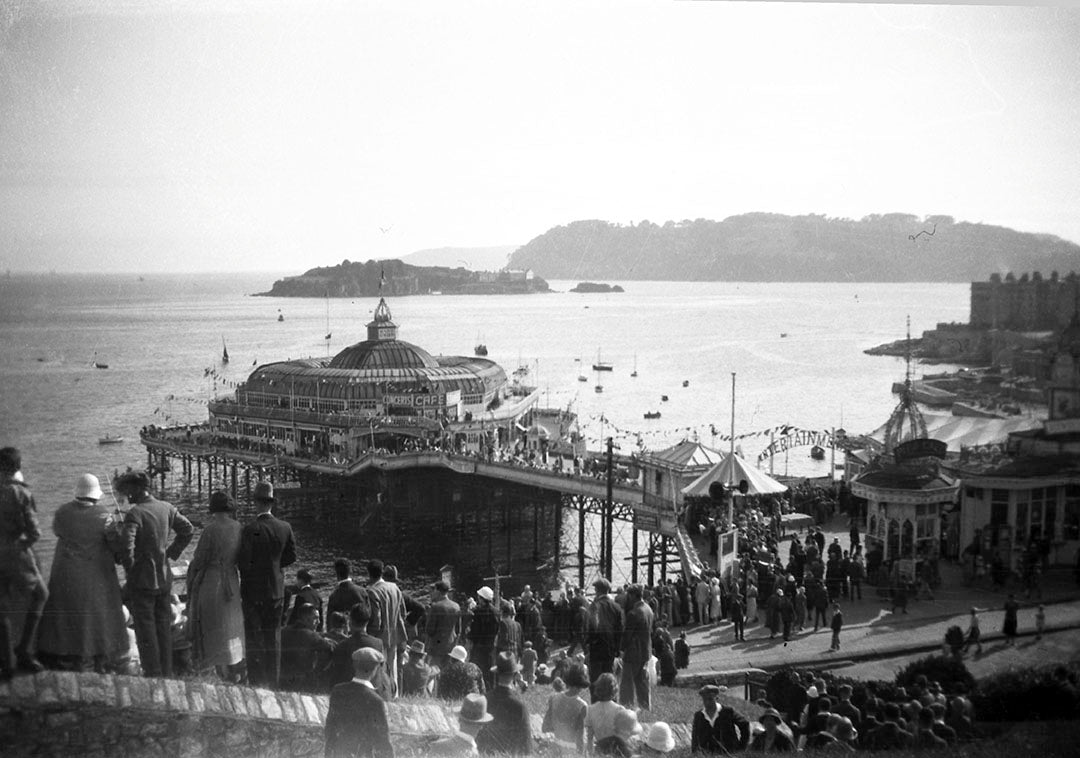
59,713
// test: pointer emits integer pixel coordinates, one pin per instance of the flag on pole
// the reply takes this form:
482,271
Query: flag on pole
328,335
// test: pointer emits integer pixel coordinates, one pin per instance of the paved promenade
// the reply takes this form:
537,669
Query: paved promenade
872,631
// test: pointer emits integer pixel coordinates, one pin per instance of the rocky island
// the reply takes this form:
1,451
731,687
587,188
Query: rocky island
595,287
393,277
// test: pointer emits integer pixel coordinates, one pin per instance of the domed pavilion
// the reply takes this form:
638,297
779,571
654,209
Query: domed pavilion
373,394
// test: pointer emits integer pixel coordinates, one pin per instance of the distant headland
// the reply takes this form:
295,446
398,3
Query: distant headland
393,277
771,247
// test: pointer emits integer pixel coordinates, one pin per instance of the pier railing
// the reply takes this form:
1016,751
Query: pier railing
178,442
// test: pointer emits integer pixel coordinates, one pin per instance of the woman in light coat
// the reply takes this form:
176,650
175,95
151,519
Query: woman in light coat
215,615
82,625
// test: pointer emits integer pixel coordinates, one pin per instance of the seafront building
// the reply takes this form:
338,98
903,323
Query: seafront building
1024,304
1024,499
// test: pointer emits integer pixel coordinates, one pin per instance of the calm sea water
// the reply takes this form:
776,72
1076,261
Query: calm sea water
159,335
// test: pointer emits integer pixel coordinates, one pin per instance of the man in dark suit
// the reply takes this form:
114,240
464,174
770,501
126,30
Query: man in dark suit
146,561
347,593
510,733
356,723
604,635
304,594
341,667
442,625
636,651
304,653
266,548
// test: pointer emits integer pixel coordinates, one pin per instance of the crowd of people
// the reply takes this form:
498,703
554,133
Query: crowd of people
922,716
368,642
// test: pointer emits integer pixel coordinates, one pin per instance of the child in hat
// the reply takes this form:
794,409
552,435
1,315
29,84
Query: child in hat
528,664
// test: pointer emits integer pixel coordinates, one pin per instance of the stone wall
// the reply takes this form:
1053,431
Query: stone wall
67,714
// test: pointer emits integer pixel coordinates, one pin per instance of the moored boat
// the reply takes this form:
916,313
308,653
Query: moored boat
601,365
652,414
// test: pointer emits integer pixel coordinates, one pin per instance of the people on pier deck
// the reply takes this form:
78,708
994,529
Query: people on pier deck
146,560
82,625
266,548
215,612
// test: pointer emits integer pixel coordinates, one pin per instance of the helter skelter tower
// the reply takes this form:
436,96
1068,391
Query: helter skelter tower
906,421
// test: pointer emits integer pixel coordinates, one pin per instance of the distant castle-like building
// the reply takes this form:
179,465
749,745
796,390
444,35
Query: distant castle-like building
1027,304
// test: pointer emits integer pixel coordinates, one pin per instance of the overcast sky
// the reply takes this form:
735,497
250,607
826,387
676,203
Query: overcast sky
192,139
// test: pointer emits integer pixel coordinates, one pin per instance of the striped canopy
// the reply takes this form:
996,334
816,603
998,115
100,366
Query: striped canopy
732,469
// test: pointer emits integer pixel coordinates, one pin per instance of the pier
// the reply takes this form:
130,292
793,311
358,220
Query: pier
487,506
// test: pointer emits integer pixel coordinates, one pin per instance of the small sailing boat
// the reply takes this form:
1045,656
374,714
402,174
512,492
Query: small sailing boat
633,373
281,317
224,351
95,363
580,377
481,348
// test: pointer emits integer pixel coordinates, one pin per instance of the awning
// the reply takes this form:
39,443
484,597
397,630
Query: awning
733,469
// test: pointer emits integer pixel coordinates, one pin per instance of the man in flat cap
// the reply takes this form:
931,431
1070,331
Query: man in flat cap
356,723
146,561
266,548
717,729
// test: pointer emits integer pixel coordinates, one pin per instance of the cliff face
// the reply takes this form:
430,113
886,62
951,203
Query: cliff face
775,247
349,279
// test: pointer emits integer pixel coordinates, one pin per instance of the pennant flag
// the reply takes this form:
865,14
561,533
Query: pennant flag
329,334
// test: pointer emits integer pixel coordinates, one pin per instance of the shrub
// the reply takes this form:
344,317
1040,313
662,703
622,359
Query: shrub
950,672
1032,694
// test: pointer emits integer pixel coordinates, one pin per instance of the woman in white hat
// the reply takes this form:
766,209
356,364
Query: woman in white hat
83,622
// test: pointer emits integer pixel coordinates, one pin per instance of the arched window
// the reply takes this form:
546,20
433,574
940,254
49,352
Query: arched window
892,541
907,539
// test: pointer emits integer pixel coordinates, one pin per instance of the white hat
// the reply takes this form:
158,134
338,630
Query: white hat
660,738
812,692
486,592
459,653
88,487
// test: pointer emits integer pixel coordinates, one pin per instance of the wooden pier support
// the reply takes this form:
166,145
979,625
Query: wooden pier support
558,536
